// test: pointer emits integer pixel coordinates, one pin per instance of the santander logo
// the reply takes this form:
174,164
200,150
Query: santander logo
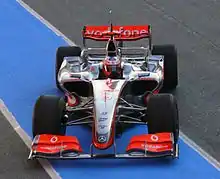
120,31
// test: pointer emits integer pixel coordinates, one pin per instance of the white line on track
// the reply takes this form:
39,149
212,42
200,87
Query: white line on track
46,165
45,22
27,139
199,150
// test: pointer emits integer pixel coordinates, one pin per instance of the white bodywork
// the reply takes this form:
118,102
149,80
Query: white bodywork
106,93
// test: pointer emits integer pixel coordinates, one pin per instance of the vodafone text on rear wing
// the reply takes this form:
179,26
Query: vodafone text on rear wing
120,33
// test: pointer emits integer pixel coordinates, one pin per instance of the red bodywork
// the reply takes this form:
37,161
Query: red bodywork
53,144
160,142
46,144
125,33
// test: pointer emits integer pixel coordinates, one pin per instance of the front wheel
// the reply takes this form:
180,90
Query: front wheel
162,115
48,116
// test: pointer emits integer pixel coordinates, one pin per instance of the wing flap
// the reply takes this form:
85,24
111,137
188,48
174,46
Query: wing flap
125,33
153,143
46,144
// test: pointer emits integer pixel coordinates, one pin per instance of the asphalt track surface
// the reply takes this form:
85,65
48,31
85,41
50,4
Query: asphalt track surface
197,94
13,156
193,26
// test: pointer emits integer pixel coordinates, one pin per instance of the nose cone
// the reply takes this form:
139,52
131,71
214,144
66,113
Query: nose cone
104,120
106,93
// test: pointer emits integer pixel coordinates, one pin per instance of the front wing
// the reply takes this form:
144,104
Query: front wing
68,147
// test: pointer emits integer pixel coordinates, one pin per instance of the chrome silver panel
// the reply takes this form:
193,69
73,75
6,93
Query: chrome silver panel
75,69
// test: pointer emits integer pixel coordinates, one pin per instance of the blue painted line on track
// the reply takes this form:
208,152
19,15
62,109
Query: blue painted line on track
27,71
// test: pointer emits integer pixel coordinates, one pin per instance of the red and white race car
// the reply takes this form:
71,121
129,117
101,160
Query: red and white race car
109,88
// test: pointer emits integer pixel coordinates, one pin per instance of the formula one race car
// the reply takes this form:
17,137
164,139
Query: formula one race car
106,89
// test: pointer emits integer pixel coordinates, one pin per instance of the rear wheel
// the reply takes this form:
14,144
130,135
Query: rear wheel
170,65
48,116
61,53
162,115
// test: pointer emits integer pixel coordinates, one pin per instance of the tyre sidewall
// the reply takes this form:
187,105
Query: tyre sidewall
48,116
162,115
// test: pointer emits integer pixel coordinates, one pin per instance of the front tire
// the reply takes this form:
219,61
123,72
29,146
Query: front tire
162,115
48,116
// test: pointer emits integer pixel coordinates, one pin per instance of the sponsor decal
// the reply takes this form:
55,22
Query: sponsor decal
111,84
53,139
101,119
104,113
154,138
102,126
102,139
120,32
140,75
103,116
154,146
75,75
53,147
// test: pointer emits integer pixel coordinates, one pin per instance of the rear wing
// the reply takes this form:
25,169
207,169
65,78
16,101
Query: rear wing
121,33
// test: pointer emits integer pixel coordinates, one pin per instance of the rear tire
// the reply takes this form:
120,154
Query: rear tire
162,115
61,53
170,65
48,116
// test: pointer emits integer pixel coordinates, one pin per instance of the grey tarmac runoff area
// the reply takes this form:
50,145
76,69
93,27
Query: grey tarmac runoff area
193,26
14,153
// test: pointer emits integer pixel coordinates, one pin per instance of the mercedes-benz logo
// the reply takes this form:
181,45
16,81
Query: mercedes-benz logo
102,139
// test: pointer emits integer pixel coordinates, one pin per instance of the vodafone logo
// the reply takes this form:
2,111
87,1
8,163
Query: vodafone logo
134,32
154,138
53,139
120,30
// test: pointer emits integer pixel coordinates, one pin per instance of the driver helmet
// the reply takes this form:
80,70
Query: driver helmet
112,67
112,61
